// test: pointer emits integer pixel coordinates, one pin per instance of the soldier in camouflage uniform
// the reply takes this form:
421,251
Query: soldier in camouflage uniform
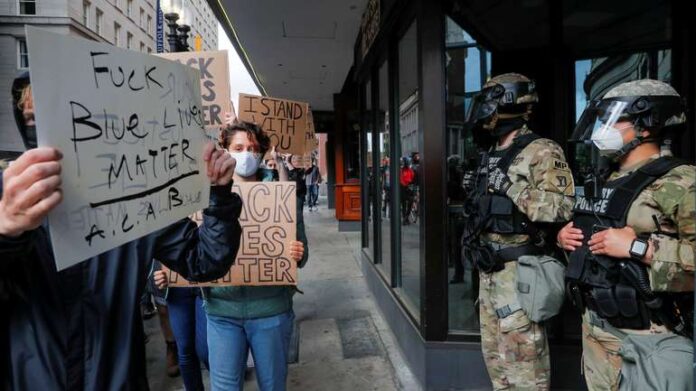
522,181
653,232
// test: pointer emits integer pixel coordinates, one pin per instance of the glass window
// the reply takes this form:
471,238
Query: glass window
99,18
468,66
142,47
22,54
117,34
85,13
129,8
370,180
409,180
142,18
594,77
149,24
384,183
129,40
27,7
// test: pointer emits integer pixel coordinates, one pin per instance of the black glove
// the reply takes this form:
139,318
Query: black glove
468,180
498,182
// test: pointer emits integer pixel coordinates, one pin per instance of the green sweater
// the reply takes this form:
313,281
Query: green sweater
252,302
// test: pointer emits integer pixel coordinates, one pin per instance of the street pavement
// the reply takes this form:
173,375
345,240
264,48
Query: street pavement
344,342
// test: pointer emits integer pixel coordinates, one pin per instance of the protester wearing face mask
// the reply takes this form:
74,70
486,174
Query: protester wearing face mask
256,318
631,243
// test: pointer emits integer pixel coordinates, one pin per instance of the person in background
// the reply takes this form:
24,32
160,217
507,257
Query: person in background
163,314
406,177
256,318
312,180
189,327
81,328
386,188
272,166
296,173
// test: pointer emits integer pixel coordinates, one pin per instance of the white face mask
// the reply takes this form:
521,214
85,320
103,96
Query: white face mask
608,140
247,163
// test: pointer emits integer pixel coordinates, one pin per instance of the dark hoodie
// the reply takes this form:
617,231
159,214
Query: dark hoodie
80,328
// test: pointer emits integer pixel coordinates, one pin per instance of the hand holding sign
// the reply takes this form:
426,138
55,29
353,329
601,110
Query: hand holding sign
160,279
297,251
31,190
219,165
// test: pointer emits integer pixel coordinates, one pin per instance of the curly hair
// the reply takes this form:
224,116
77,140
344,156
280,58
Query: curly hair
253,131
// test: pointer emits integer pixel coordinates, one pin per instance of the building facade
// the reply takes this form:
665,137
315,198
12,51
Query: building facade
415,67
129,24
197,15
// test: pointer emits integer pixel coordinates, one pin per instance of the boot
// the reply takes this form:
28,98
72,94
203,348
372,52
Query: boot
172,359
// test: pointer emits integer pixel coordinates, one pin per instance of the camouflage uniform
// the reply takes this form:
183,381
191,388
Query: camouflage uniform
516,349
671,198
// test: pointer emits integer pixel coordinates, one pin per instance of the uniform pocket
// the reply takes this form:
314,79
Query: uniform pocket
522,340
517,321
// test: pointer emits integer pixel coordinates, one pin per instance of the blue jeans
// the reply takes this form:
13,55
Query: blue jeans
188,320
312,194
230,339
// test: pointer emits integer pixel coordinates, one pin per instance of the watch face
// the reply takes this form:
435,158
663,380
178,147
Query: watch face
639,247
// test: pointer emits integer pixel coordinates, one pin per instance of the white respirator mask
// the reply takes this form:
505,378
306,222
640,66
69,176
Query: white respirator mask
247,163
608,140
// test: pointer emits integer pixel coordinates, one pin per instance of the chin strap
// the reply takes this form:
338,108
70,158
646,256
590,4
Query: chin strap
632,144
504,126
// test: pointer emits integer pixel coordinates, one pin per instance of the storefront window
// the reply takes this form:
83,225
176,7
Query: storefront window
410,176
594,77
370,179
467,69
384,183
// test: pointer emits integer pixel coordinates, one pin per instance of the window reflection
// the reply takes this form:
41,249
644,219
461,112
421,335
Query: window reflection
409,179
384,192
370,180
467,69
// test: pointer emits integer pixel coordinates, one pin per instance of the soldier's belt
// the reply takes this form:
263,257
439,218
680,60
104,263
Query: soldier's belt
511,253
598,321
505,311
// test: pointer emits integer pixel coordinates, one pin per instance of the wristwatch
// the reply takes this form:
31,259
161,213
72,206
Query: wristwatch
639,247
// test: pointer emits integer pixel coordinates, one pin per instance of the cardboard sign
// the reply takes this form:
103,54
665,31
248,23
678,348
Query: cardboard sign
130,128
311,142
285,121
268,221
215,84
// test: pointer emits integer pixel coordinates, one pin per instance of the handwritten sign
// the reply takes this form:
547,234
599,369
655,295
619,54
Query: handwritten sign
285,121
215,84
311,142
130,127
268,221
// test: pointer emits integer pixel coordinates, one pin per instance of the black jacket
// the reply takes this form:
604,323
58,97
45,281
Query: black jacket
80,329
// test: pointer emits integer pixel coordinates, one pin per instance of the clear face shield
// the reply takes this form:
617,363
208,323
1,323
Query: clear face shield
602,124
483,105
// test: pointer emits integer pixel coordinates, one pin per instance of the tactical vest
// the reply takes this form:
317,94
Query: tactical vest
617,289
502,214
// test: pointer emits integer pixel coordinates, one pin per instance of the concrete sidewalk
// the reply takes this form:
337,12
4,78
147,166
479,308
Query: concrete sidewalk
344,343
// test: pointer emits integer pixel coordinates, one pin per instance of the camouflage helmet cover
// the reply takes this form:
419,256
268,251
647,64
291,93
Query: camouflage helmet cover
653,90
506,79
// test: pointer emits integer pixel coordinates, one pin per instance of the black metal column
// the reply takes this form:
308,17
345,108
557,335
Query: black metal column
432,134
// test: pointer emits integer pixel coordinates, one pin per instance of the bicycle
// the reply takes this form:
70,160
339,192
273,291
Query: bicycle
414,203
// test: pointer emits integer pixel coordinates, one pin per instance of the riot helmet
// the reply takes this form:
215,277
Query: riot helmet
503,104
641,105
